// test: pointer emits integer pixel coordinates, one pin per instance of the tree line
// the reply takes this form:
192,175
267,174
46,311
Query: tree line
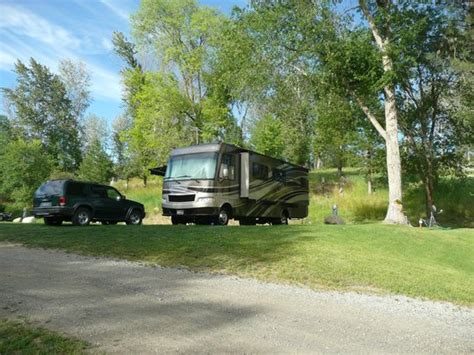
386,86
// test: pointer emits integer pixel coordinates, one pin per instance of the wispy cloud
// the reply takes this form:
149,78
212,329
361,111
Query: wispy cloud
25,34
123,14
25,23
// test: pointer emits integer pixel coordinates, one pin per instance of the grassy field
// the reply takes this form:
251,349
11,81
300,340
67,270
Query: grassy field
375,258
20,338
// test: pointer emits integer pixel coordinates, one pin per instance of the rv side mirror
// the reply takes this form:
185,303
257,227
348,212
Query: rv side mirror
225,172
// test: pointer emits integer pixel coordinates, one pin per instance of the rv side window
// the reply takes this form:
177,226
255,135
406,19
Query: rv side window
227,170
259,171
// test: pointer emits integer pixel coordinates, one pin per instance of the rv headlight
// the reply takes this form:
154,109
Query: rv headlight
163,200
206,199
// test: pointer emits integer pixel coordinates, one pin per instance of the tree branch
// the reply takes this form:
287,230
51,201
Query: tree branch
370,116
373,27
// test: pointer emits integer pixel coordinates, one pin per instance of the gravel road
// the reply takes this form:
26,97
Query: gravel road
125,307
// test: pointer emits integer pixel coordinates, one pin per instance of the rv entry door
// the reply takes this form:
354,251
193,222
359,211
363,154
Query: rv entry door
244,174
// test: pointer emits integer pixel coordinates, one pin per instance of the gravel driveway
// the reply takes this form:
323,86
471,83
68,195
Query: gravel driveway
126,307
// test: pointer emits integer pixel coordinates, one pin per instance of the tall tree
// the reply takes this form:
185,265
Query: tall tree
379,19
428,91
183,36
267,79
77,80
44,112
134,80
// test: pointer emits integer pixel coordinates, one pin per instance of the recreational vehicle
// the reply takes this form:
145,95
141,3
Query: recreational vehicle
213,183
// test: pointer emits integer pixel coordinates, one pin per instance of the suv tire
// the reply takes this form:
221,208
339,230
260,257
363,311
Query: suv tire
82,217
134,218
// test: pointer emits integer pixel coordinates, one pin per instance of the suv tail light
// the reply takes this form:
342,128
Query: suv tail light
62,201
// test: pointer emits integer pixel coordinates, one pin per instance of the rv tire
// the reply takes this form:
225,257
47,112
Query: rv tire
223,217
177,220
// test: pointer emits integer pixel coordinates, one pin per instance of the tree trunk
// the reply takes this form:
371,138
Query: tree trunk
395,213
429,195
145,178
369,185
319,162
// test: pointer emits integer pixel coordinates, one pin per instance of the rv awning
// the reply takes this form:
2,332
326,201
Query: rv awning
160,170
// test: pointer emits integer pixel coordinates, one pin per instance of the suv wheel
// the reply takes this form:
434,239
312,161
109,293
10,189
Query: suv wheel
82,217
135,218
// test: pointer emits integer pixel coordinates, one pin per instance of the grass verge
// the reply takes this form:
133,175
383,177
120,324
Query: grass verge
433,264
20,338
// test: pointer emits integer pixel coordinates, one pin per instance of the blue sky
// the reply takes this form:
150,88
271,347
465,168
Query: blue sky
51,30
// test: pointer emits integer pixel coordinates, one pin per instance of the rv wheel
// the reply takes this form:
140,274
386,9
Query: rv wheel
223,218
177,220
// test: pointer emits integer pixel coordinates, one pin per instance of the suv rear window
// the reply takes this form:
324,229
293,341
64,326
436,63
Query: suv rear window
50,188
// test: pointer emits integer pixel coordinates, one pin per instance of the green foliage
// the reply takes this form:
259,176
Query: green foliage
23,168
96,165
335,130
124,164
267,136
434,133
5,132
156,130
182,34
23,338
44,112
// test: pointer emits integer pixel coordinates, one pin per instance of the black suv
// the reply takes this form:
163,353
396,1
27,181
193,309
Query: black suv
84,202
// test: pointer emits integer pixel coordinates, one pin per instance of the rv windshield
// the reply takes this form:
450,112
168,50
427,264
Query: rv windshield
192,166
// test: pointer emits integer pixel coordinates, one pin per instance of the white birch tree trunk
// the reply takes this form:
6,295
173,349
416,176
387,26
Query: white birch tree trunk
395,213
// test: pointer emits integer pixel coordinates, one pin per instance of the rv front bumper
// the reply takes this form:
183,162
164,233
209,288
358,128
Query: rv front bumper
197,211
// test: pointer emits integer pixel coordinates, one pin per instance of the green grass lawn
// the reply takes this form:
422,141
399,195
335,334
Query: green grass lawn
20,338
434,264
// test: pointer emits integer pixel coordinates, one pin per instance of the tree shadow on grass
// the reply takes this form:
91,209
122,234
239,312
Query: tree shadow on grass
209,248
